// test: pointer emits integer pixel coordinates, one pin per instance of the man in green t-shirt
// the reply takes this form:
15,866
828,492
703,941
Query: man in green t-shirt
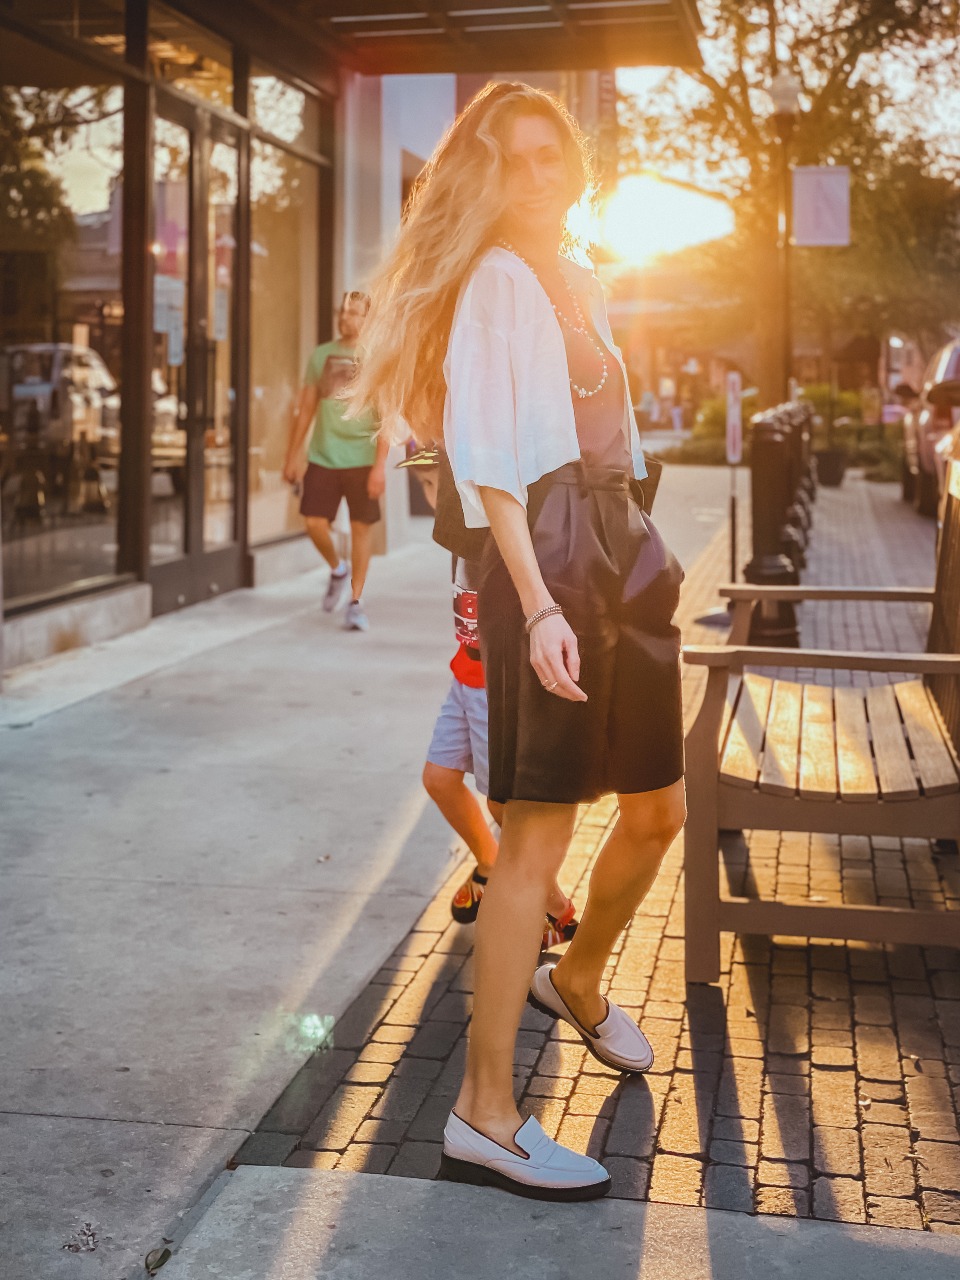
343,460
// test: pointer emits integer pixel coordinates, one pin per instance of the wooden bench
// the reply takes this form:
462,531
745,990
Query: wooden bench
782,755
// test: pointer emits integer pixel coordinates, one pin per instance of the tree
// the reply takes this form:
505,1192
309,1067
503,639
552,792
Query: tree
716,123
37,126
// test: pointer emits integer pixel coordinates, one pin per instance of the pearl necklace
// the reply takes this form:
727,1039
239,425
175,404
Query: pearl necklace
580,325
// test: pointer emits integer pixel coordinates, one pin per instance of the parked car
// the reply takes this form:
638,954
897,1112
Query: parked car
929,418
61,393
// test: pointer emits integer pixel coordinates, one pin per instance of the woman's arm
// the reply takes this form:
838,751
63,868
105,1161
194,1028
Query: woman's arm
554,654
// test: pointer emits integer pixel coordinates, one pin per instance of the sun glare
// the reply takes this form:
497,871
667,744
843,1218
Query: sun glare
646,216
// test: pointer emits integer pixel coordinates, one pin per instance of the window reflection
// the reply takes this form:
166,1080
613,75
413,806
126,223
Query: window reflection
284,198
61,314
98,22
288,112
189,57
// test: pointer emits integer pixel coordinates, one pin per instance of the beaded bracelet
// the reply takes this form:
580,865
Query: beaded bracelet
539,616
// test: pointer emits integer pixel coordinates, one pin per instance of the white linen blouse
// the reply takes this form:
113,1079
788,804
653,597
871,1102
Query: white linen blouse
508,414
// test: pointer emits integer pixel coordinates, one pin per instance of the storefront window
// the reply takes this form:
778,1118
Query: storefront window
98,22
283,109
189,57
284,242
61,314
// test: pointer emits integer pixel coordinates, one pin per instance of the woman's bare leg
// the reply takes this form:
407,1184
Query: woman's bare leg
533,844
622,875
557,901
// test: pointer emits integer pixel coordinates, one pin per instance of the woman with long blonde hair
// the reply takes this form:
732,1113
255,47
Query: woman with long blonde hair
482,329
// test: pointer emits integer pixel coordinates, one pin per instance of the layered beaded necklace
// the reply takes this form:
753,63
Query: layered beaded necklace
578,325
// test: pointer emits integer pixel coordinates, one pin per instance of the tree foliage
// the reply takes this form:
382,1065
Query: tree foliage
851,59
36,125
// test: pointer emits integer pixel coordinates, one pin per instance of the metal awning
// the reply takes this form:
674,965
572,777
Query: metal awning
386,37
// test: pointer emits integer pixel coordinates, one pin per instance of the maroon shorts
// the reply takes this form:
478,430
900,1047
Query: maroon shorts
323,487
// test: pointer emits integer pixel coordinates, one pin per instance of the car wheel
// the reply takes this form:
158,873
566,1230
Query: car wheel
927,497
908,482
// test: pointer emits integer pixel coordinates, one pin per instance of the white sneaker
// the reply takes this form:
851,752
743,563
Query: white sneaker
339,579
547,1172
618,1041
355,619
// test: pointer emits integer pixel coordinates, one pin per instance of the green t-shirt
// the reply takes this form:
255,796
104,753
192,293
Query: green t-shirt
337,442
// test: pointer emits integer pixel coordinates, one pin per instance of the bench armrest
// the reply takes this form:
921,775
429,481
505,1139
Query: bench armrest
886,595
739,656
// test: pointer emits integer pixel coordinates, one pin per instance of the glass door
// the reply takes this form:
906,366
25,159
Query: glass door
194,551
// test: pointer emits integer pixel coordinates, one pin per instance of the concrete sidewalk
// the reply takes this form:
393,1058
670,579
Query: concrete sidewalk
214,838
212,835
814,1081
354,1226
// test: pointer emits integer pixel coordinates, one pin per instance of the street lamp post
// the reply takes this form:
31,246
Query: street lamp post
784,93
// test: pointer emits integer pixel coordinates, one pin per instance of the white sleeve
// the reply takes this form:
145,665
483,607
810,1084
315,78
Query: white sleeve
480,422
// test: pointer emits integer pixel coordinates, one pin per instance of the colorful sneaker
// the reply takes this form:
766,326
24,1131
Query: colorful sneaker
336,587
356,619
466,901
560,928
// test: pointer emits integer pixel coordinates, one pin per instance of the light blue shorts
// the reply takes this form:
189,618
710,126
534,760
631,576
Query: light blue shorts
460,734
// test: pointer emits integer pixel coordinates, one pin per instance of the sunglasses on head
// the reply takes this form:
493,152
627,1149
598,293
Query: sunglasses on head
356,295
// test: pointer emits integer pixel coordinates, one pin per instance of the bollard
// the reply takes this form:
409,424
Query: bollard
808,473
801,500
772,623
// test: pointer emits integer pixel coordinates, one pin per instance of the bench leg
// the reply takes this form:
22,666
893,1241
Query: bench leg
701,881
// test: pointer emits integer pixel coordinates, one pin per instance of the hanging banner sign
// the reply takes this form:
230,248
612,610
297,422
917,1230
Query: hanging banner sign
734,418
821,205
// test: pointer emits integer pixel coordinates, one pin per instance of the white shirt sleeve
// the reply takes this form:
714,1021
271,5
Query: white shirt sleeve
480,423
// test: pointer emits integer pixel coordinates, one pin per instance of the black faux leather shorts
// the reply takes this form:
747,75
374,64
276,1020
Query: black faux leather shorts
603,560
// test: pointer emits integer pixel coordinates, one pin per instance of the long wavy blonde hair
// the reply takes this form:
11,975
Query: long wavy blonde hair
450,220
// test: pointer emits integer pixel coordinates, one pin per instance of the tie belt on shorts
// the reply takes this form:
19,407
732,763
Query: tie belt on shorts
586,477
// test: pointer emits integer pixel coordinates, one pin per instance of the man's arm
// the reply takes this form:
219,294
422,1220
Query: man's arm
377,480
304,413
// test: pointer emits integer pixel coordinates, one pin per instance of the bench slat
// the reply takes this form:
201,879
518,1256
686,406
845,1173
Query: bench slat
741,757
934,762
781,747
733,688
818,744
855,770
894,766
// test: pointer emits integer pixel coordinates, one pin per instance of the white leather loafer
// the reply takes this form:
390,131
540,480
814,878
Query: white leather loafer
547,1171
618,1042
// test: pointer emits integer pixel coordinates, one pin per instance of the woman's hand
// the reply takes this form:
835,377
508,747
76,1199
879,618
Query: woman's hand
555,656
554,652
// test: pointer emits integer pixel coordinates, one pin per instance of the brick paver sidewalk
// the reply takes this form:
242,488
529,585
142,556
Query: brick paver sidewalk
818,1079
